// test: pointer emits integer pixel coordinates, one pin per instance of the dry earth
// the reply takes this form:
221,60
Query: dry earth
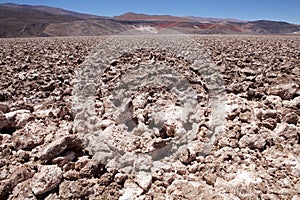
256,157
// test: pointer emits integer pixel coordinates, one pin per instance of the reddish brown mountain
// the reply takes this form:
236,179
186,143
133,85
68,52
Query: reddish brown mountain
157,18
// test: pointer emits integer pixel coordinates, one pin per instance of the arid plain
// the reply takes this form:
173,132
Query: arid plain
256,156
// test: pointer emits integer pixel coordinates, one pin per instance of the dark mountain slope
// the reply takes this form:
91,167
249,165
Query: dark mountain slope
25,21
51,10
265,26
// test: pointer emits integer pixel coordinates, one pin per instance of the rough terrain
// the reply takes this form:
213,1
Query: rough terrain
43,155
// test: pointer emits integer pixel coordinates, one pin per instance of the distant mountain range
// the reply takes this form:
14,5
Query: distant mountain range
31,21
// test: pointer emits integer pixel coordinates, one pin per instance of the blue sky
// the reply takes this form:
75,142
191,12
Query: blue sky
279,10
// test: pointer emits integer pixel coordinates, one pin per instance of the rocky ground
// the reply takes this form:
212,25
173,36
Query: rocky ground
256,156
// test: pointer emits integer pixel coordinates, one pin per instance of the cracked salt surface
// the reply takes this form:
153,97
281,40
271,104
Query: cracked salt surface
246,177
155,106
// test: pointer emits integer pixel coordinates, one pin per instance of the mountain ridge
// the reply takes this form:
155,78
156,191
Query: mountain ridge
52,10
147,17
32,21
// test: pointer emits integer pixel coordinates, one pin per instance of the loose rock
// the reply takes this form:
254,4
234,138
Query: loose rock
144,180
58,146
48,178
